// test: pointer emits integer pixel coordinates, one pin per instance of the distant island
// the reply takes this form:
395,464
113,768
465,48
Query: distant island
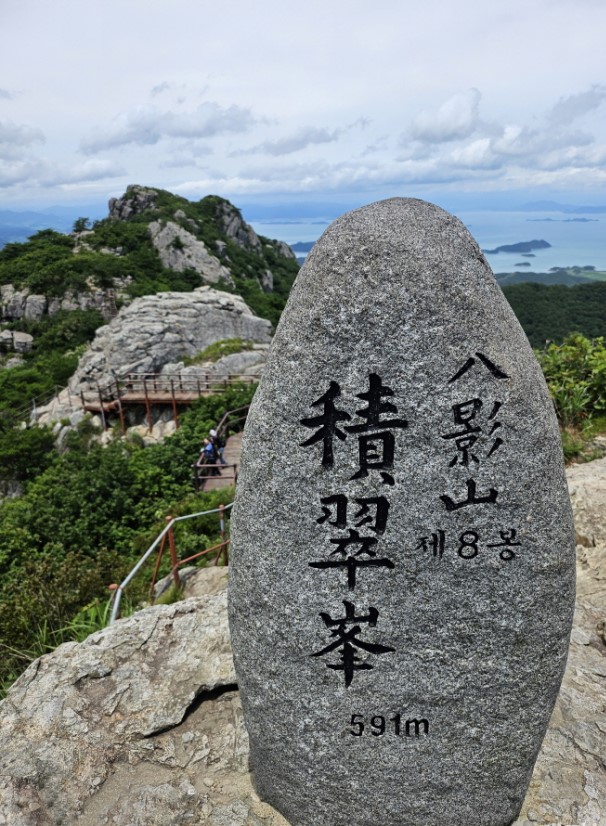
564,220
302,246
522,246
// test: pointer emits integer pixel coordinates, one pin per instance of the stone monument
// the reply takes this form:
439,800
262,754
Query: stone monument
402,581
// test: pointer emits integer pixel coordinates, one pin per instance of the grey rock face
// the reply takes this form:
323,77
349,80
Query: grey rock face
285,250
138,724
157,329
17,304
179,250
17,341
238,230
402,577
136,200
35,307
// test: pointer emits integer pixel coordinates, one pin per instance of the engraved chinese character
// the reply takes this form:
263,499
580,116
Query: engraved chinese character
496,371
466,415
348,640
472,498
376,450
327,424
376,521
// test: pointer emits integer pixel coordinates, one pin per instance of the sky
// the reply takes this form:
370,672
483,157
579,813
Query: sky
305,107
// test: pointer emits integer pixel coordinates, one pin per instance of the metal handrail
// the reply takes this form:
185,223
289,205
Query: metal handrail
120,589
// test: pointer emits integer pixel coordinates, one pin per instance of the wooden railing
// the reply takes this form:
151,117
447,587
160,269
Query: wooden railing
152,389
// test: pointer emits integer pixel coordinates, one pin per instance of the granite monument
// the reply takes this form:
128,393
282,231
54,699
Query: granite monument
402,579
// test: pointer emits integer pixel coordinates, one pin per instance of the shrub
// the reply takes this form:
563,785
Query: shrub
575,372
218,349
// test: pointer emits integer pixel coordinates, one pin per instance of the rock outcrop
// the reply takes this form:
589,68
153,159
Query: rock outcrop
166,327
141,723
21,304
236,229
179,250
17,341
135,200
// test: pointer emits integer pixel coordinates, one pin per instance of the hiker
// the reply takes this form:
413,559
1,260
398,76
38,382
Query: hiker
219,445
210,456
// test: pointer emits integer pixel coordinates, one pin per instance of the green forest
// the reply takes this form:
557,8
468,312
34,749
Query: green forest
550,313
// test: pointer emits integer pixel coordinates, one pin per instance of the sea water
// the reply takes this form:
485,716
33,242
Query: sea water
576,239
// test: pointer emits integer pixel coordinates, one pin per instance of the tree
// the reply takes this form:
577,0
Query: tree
81,224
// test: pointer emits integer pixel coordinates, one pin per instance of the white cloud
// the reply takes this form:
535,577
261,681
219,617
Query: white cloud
575,106
18,173
92,170
42,173
457,118
478,154
295,142
15,138
4,93
146,125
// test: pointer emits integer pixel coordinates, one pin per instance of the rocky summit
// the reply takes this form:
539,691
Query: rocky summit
402,580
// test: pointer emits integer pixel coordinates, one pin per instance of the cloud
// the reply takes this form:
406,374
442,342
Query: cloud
14,138
146,125
161,87
17,173
574,106
456,119
42,173
92,170
301,139
4,93
478,154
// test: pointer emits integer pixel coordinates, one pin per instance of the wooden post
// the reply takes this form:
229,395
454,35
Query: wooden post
223,533
175,413
156,569
173,553
150,422
101,407
121,413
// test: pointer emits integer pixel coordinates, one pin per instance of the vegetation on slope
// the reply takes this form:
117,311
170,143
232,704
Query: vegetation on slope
575,372
117,252
554,312
84,520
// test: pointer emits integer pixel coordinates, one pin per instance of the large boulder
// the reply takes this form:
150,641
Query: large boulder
156,329
141,723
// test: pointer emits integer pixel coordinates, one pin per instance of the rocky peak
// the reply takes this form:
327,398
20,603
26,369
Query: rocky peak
236,229
180,250
136,199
